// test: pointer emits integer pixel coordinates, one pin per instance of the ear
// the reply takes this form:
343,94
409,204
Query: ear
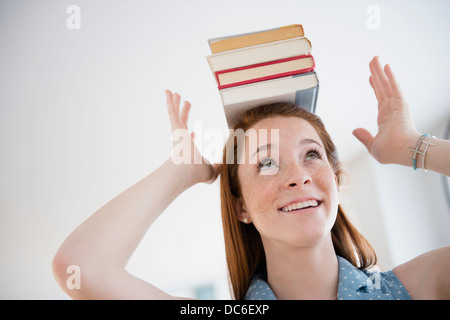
337,187
336,181
241,209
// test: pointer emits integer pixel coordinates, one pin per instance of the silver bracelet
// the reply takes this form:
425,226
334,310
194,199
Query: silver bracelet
422,153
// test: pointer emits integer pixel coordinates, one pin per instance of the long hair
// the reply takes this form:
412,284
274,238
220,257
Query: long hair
243,246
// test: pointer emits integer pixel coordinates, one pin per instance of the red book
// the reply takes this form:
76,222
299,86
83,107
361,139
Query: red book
264,71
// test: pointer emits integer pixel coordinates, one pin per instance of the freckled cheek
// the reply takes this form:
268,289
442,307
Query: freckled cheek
326,180
258,197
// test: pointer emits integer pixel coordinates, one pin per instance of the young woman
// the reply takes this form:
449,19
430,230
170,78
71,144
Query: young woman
286,235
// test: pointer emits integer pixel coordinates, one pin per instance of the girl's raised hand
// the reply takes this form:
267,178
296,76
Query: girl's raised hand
396,131
184,150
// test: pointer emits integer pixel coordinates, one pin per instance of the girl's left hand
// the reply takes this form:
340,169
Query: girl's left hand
396,131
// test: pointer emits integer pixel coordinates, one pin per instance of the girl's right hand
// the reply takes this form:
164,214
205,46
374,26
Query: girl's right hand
199,168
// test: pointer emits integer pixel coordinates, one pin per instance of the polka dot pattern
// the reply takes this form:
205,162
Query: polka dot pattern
354,284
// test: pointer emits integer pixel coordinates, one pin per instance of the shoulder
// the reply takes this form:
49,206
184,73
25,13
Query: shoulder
390,284
428,275
259,289
356,284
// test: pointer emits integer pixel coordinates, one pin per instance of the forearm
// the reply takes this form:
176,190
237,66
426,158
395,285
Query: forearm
437,157
110,235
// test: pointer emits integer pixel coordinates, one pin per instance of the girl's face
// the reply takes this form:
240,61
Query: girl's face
294,200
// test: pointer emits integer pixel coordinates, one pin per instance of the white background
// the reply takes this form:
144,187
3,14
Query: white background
83,117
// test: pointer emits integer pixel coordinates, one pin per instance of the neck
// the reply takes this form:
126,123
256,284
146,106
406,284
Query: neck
298,273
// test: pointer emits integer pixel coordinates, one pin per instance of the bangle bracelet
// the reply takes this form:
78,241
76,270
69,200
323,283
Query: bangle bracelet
422,153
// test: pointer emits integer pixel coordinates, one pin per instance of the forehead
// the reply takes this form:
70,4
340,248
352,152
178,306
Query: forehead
289,128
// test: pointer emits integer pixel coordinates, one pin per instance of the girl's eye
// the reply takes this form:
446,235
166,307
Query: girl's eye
313,154
266,163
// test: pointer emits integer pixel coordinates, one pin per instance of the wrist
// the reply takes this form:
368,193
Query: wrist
405,156
420,152
182,173
190,174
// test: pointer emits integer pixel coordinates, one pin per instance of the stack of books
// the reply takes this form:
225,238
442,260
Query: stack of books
263,67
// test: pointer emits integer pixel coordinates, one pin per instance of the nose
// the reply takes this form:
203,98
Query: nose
296,176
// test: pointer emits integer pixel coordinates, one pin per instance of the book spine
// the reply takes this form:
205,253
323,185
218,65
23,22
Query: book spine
307,99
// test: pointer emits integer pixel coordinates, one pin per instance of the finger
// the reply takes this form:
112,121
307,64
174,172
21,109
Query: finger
364,136
185,113
215,171
376,85
217,168
380,77
176,102
372,84
173,116
394,84
168,97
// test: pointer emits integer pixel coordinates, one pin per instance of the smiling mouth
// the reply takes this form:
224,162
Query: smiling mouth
300,206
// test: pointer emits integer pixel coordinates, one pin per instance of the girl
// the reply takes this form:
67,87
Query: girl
286,236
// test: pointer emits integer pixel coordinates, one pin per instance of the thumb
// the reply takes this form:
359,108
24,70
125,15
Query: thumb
364,136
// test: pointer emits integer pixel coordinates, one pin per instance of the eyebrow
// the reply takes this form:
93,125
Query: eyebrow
309,141
302,142
260,148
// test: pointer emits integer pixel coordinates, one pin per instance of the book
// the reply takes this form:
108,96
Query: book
301,89
264,67
259,54
264,71
255,38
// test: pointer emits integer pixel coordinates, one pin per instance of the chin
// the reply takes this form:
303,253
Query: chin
310,238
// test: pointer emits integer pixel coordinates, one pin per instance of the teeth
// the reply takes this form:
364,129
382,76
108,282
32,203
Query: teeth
300,205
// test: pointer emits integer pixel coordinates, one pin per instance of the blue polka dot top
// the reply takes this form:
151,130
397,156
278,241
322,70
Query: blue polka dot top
354,284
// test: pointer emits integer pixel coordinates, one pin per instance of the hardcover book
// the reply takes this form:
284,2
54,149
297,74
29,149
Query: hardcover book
264,71
255,38
259,54
301,89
